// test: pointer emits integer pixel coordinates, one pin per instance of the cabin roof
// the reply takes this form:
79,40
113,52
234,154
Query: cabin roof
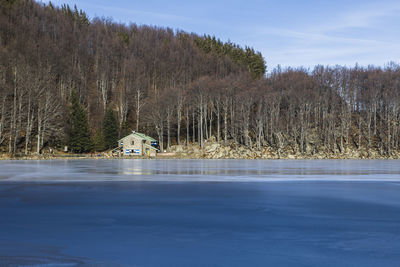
140,136
143,136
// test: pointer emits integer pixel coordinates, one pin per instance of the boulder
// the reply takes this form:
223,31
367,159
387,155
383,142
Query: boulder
211,147
178,148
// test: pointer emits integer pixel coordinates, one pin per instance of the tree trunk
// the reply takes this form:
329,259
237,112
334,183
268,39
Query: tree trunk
39,128
187,125
201,122
2,119
210,121
193,127
14,115
19,124
138,107
205,110
225,107
169,115
359,131
29,123
179,119
233,133
388,130
218,122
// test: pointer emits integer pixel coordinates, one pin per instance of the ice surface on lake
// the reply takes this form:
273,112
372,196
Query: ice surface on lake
191,213
200,170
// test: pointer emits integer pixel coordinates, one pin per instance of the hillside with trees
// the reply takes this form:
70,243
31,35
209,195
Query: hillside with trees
69,80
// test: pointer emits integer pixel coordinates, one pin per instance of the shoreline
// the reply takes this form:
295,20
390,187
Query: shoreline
215,150
186,157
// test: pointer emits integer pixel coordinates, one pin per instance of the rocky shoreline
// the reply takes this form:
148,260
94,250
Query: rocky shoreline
214,150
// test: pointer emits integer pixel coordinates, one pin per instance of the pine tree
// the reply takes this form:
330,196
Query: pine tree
98,141
79,137
125,129
247,57
110,129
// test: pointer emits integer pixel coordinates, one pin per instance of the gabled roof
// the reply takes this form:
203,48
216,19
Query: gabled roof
143,136
140,136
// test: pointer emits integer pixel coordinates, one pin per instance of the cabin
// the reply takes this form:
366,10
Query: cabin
138,144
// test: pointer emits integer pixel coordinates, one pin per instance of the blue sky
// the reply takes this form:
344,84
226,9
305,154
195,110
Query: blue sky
287,32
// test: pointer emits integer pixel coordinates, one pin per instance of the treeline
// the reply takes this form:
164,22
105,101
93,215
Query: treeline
329,109
178,87
47,52
254,61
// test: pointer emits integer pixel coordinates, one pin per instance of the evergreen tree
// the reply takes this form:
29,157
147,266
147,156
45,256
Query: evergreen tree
98,141
252,60
79,137
110,129
125,129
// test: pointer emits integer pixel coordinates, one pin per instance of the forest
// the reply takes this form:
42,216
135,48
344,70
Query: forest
68,80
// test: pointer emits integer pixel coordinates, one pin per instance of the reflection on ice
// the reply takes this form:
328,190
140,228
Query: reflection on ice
199,170
94,220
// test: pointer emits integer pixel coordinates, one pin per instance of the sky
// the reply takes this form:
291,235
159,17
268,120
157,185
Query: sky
289,33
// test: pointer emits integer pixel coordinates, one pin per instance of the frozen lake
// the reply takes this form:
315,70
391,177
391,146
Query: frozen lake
200,213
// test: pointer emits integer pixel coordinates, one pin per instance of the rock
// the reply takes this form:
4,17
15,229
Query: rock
212,139
178,148
211,147
231,150
219,155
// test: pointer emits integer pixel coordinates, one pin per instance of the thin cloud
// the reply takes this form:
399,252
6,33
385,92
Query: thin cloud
312,36
361,18
334,41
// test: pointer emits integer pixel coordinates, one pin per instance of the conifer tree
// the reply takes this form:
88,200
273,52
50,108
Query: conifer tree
79,137
125,129
98,141
110,129
252,60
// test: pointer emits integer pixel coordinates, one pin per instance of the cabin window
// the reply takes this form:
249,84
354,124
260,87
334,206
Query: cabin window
132,142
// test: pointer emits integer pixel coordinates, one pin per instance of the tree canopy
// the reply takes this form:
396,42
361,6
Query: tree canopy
252,60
